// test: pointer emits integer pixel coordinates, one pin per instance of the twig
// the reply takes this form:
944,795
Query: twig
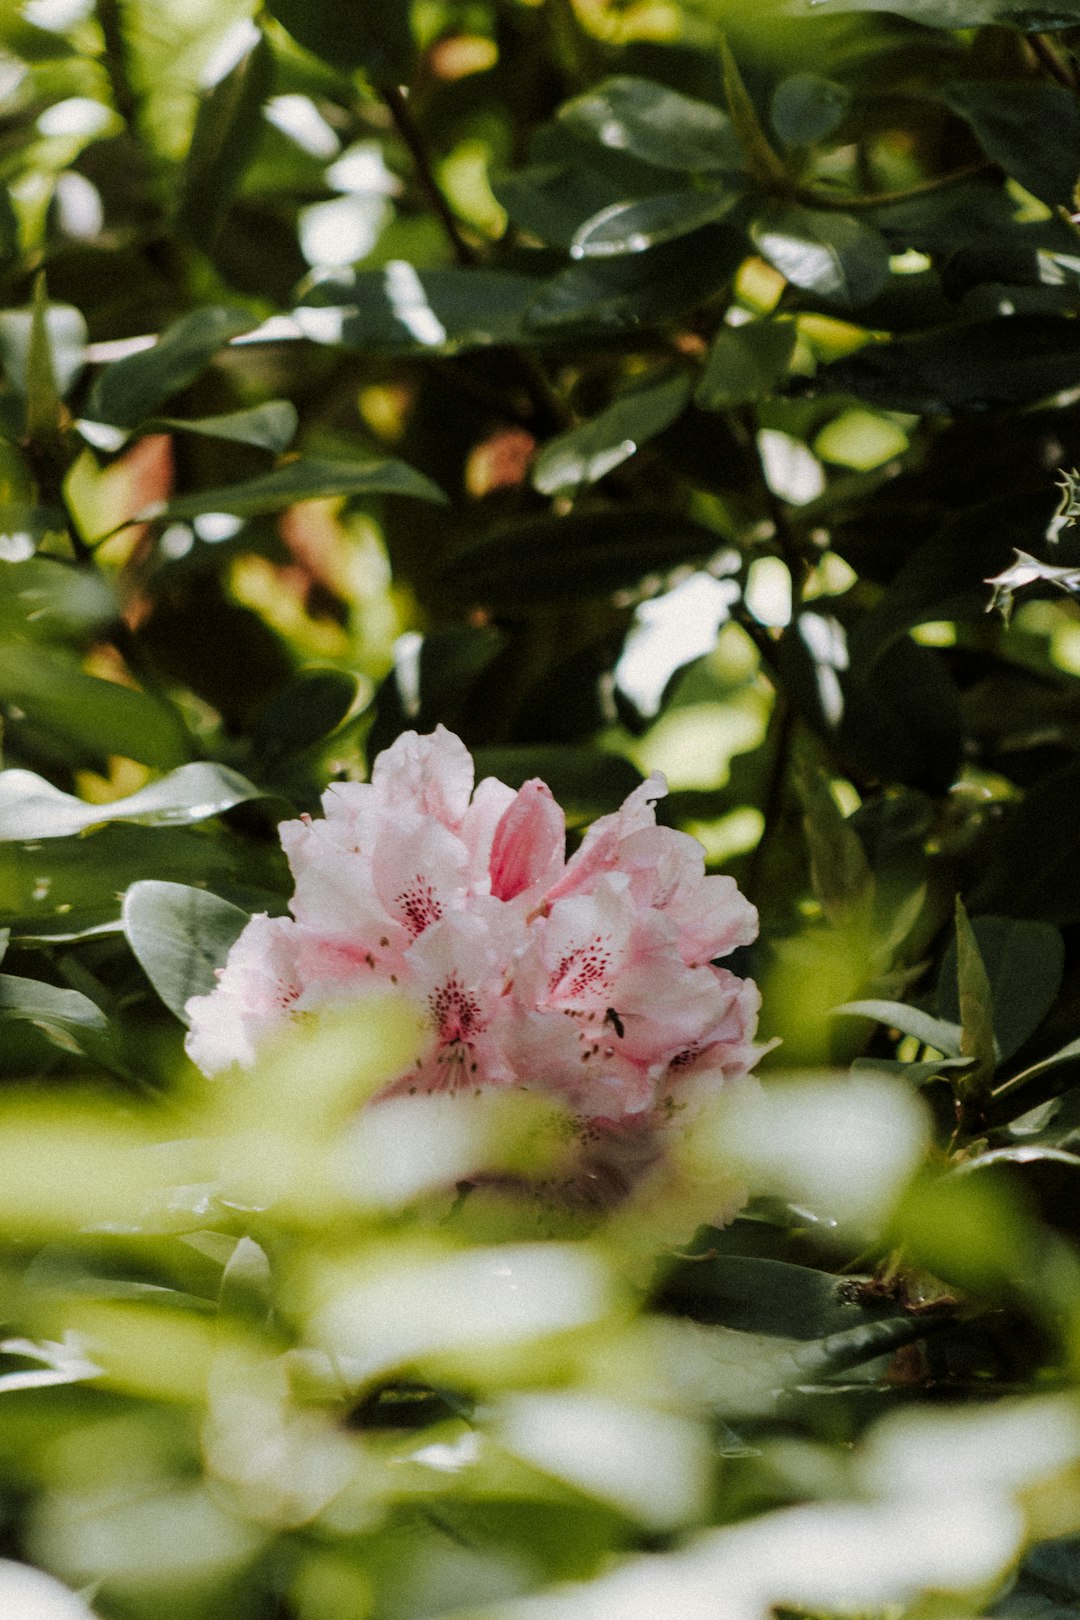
411,133
1049,61
117,60
813,198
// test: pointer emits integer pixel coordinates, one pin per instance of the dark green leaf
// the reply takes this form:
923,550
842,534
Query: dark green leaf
42,394
586,453
840,259
745,363
375,36
400,309
655,124
305,480
761,161
807,108
839,870
434,683
70,1020
180,936
976,1004
129,390
227,128
583,554
303,713
270,426
32,808
1030,128
1026,14
936,1032
632,227
755,1295
587,782
1000,362
101,716
1024,961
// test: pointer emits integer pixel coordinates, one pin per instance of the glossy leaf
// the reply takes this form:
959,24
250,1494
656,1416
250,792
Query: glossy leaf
583,554
270,426
632,227
304,480
227,128
129,390
376,36
840,259
585,454
807,108
745,363
1024,961
655,124
179,936
32,808
939,1033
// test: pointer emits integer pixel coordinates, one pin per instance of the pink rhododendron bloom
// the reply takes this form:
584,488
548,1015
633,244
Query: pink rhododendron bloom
590,980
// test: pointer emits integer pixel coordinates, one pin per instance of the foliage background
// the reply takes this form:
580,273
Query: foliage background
626,386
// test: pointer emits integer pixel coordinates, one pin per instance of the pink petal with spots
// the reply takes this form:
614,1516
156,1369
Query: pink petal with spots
529,847
420,872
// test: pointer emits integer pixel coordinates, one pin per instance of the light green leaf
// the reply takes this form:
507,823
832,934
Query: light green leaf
129,390
270,426
839,258
586,453
42,393
655,124
976,1006
631,227
301,481
839,870
179,936
32,808
1023,14
745,363
943,1037
66,330
1024,962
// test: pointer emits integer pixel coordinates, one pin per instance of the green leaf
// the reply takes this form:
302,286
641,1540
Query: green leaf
375,36
227,129
435,684
655,124
839,870
762,162
1005,361
402,310
1024,962
587,782
976,1009
32,808
247,1284
100,717
586,453
1036,869
179,936
66,332
755,1295
1030,128
42,394
45,599
67,1018
1033,15
303,713
745,363
807,108
631,227
270,426
936,1032
582,554
304,480
840,259
129,390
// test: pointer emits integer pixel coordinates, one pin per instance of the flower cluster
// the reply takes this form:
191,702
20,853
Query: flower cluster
591,980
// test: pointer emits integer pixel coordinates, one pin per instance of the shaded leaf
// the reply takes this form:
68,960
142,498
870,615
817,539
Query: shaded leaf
270,426
302,714
128,390
66,331
1024,962
655,124
375,36
100,717
42,392
631,227
1030,128
772,1297
586,781
400,309
67,1018
745,363
976,1004
1035,17
32,808
936,1032
762,162
227,128
586,453
807,108
179,936
303,480
840,259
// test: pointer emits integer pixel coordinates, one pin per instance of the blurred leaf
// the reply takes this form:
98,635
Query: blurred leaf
807,108
1032,129
179,936
129,390
270,426
63,343
745,363
247,1283
587,782
976,364
1036,866
376,37
42,396
227,128
303,480
951,13
755,1295
101,716
976,1010
655,124
1046,1586
936,1032
66,1018
585,454
302,714
45,598
762,162
631,227
841,259
400,309
31,807
583,554
841,875
1024,962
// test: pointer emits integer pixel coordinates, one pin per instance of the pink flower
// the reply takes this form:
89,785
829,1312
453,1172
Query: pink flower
590,980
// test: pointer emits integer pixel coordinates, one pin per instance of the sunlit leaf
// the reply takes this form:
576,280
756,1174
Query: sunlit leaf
655,124
180,936
31,807
129,390
586,453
